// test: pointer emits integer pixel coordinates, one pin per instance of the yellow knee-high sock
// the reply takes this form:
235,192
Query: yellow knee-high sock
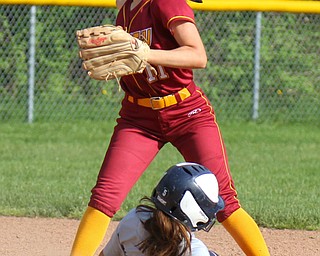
246,233
91,231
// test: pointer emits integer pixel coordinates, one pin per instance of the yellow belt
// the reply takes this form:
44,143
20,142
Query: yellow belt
161,102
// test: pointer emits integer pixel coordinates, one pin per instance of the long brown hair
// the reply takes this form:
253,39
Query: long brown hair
168,237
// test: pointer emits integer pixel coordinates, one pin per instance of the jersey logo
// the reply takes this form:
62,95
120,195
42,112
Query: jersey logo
144,35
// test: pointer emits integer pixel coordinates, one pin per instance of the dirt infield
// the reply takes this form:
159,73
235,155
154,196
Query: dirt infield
53,237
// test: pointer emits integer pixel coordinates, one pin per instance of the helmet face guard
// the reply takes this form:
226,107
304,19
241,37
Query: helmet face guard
209,225
188,192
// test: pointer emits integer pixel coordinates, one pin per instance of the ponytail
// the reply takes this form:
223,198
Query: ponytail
168,236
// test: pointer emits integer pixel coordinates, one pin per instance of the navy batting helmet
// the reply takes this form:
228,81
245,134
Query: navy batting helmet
189,193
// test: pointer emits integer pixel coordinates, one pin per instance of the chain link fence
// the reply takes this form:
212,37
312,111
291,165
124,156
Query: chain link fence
263,66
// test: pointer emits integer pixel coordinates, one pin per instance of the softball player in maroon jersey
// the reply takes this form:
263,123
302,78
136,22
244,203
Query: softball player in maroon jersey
159,108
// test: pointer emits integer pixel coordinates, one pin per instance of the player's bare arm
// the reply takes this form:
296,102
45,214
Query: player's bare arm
190,54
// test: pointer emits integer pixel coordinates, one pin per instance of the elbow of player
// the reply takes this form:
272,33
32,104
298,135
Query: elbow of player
202,62
205,63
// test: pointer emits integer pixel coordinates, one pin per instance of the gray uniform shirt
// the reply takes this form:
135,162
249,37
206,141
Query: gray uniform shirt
131,232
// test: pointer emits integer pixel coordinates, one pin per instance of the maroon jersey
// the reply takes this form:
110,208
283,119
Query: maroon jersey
150,20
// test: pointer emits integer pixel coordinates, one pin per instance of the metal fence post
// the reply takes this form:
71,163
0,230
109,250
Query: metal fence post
256,86
31,64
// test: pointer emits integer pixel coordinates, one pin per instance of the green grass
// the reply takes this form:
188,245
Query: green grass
48,169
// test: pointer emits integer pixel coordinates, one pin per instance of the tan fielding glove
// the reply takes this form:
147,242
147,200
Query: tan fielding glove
109,52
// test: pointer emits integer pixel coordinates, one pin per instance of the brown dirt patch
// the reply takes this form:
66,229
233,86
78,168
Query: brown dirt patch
54,237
